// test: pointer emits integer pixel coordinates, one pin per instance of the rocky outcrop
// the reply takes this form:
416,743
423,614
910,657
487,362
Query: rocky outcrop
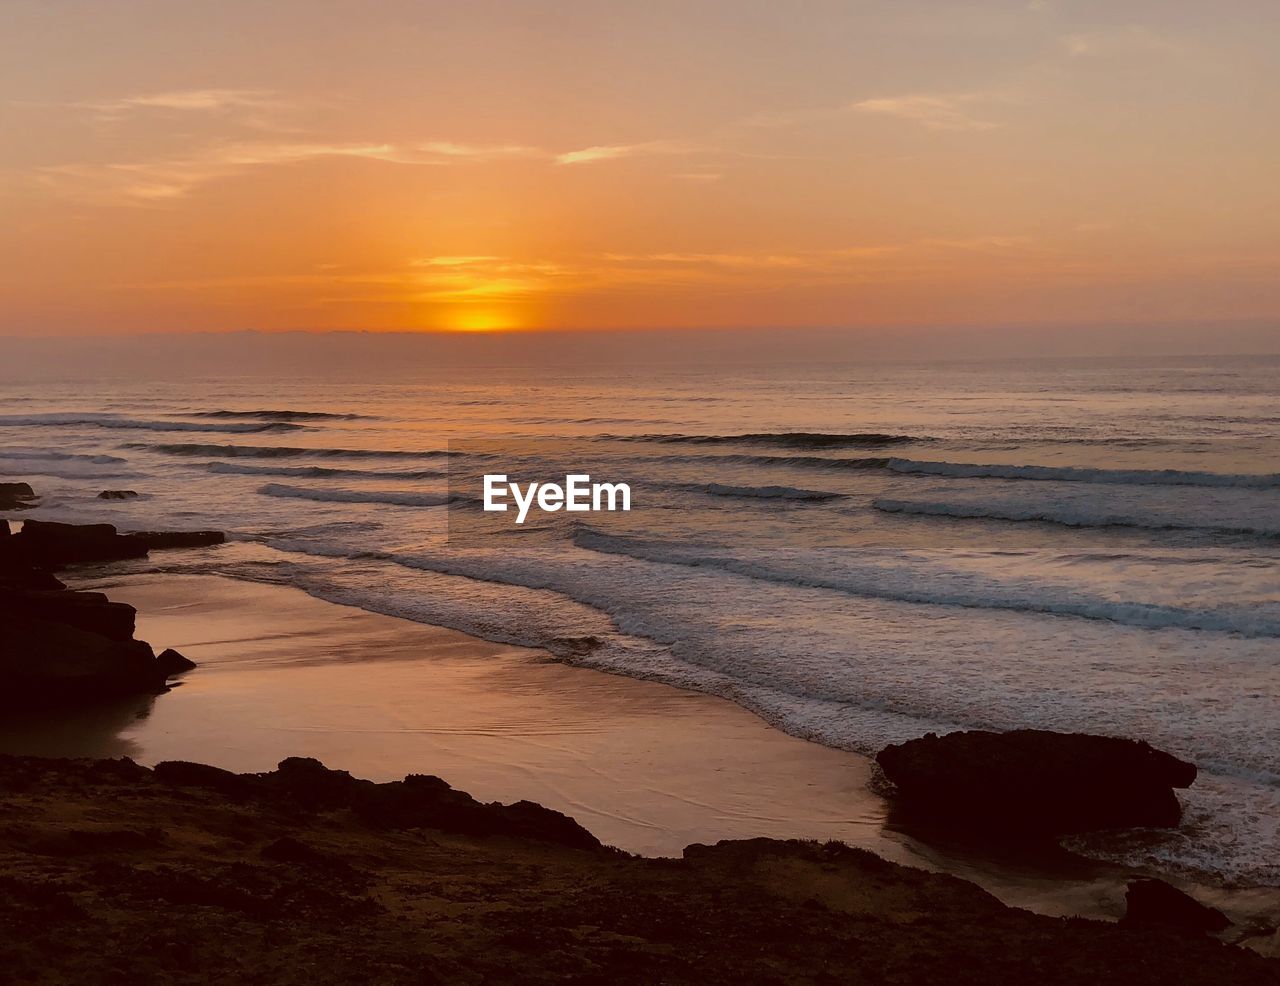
58,645
172,663
1154,902
110,874
44,662
165,540
1035,782
118,495
16,496
48,545
418,801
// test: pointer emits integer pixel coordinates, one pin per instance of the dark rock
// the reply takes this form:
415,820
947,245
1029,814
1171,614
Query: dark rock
50,545
1156,902
15,496
64,647
311,784
305,784
44,544
183,773
54,662
1036,782
118,495
91,611
171,663
158,540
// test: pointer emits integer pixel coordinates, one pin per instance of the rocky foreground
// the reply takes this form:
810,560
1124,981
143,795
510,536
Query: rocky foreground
59,646
110,872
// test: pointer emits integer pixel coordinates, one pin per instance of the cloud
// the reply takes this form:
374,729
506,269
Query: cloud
933,112
188,100
1130,40
610,152
481,152
175,177
453,261
598,153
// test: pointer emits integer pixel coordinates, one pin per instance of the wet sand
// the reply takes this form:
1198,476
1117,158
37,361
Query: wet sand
644,766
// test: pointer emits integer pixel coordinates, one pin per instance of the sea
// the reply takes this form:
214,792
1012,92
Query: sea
858,552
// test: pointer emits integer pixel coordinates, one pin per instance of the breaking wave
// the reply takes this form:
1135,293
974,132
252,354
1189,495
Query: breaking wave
392,497
317,472
282,415
139,424
285,452
1072,515
780,439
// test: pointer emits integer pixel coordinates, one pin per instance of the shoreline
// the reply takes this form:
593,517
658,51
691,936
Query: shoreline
643,765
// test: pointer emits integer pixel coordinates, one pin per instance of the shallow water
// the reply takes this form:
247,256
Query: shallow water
1086,545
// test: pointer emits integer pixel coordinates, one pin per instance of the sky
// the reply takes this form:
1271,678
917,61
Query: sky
1023,166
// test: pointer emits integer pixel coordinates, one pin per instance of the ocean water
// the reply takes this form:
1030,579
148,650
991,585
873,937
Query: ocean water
858,553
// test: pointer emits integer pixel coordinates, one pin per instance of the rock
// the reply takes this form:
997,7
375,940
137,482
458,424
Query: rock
90,611
305,784
1036,782
58,646
46,662
16,496
50,545
183,773
171,663
118,495
1156,902
158,540
44,544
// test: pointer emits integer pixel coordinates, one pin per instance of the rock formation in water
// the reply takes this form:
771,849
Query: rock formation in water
61,646
1035,781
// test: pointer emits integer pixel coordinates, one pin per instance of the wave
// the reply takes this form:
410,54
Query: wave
967,470
318,472
1075,474
757,492
392,497
284,452
61,469
1069,515
780,439
282,415
935,587
799,461
33,453
137,424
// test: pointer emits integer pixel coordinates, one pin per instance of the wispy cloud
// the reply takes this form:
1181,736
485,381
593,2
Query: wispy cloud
175,177
188,100
949,112
481,152
610,152
453,261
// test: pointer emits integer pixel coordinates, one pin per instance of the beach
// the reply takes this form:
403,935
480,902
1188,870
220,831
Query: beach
645,767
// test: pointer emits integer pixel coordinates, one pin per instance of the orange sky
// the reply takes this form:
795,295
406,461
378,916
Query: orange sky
419,165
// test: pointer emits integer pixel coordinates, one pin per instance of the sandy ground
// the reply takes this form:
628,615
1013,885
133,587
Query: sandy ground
644,766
